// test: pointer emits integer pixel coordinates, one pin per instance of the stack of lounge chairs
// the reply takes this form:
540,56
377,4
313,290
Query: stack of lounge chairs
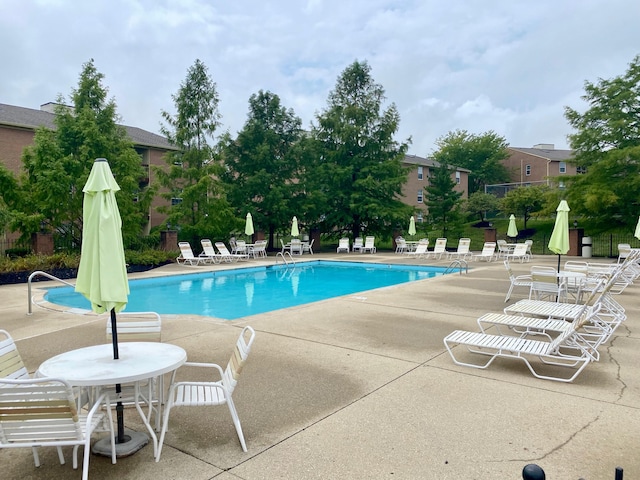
555,340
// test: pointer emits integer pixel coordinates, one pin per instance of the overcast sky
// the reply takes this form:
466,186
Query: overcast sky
510,66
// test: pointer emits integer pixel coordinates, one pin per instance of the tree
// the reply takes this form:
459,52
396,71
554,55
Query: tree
524,201
482,154
58,163
357,177
198,205
262,163
442,200
479,203
607,145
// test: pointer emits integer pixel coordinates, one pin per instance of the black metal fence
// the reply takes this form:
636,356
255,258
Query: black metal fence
602,245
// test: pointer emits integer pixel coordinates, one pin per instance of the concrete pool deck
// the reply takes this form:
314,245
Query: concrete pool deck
361,387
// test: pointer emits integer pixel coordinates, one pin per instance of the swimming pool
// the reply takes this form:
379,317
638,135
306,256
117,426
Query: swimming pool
232,294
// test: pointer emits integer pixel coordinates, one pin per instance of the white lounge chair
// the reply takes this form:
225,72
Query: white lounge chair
208,252
211,393
420,251
227,256
488,252
343,245
48,417
439,249
187,256
369,245
463,250
519,252
566,350
516,281
357,245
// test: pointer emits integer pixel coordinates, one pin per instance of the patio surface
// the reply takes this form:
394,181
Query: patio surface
361,387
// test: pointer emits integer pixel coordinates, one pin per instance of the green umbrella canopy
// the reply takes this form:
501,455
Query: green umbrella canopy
412,226
248,226
512,231
559,241
102,273
294,227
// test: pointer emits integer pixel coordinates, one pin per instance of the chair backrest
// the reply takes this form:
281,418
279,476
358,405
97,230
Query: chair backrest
11,365
528,243
222,248
47,412
463,245
207,247
520,249
185,250
369,242
545,280
624,249
401,242
421,248
424,241
441,245
239,357
507,265
343,243
357,242
502,246
489,248
137,327
241,246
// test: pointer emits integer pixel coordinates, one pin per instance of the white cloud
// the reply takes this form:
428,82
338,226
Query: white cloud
499,65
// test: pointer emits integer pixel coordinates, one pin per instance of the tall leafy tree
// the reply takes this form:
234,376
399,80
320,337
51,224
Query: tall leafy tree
262,164
482,154
442,200
525,201
607,145
198,205
479,203
358,175
58,163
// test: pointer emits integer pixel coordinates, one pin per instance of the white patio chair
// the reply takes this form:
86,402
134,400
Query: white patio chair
369,245
208,252
227,256
516,281
463,250
420,251
519,252
488,252
212,393
357,245
503,248
343,245
401,245
48,417
295,247
547,285
307,247
439,249
187,256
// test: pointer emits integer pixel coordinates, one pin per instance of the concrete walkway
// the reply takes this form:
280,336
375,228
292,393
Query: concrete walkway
361,387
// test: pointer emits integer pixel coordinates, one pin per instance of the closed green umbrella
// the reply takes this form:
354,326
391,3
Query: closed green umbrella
412,226
248,226
102,273
559,241
512,231
637,234
294,227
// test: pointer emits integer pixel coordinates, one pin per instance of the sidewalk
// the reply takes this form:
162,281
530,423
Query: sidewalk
361,387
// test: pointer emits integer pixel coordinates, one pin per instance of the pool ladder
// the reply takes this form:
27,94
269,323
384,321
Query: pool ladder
44,274
284,259
459,265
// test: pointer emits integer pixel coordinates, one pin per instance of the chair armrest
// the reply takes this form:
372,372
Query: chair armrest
205,365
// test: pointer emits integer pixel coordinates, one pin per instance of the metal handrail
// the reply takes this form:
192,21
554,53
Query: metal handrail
44,274
459,264
281,254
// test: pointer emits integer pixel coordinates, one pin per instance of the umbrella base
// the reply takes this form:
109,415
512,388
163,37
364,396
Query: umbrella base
134,441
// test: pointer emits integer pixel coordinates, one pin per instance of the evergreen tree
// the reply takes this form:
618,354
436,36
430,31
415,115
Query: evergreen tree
57,166
262,164
442,200
357,177
198,205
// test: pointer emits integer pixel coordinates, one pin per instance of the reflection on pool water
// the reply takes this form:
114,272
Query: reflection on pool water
232,294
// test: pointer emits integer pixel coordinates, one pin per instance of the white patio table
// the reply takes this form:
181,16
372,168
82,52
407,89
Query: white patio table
95,366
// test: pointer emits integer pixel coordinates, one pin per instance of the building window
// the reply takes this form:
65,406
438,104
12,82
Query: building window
563,167
527,170
458,178
419,218
176,201
581,170
561,184
419,196
420,173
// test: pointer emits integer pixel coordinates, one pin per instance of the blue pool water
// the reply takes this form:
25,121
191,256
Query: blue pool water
238,293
